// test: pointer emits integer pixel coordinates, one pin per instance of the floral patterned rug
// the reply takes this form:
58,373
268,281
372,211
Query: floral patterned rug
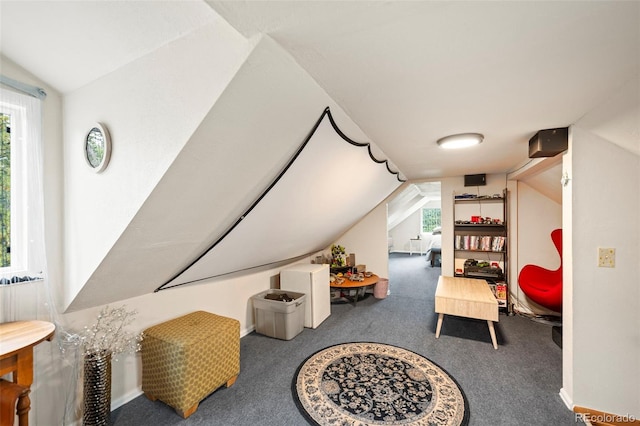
377,384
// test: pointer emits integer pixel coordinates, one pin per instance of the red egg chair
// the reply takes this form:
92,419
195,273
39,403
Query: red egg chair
541,285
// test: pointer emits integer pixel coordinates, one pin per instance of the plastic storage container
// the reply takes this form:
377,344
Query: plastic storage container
275,318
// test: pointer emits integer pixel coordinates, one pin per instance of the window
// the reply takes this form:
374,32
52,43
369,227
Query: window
5,190
18,119
431,219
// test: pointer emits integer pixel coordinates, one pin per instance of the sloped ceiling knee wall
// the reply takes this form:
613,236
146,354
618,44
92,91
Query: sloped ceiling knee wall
241,148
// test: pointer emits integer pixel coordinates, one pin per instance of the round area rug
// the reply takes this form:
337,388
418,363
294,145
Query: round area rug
377,384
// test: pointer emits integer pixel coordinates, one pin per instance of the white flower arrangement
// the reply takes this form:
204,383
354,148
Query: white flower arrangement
108,333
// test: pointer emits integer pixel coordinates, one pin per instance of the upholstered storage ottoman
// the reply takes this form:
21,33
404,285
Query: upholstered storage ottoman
187,358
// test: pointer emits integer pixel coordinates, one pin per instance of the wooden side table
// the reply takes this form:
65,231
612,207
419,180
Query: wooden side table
17,340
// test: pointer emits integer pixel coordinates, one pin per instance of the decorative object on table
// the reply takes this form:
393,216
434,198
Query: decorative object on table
338,256
356,277
377,384
106,338
319,260
334,278
97,147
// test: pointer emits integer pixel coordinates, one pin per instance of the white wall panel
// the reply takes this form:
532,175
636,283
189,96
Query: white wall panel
605,315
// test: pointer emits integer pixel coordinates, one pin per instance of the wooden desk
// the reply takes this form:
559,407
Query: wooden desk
466,297
17,340
357,285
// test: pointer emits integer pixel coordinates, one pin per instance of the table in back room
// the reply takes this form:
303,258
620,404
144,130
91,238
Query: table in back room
420,246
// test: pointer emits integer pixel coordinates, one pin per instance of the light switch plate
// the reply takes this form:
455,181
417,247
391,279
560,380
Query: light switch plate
606,257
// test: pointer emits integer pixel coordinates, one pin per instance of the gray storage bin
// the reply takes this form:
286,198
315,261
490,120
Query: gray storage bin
275,318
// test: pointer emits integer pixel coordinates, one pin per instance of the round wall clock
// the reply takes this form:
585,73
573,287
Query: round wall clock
97,147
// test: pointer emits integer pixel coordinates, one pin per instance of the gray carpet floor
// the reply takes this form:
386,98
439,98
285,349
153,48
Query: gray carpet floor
517,384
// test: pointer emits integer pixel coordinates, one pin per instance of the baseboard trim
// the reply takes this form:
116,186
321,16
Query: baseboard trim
247,330
600,418
566,399
128,397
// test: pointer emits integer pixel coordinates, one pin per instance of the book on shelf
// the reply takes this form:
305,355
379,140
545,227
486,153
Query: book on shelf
479,242
485,243
473,242
497,244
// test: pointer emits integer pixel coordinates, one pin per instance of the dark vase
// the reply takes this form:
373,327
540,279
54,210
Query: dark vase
97,389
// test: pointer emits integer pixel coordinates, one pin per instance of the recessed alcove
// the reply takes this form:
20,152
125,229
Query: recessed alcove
536,201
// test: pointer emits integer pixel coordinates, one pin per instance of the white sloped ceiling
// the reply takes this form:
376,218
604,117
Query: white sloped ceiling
330,182
250,134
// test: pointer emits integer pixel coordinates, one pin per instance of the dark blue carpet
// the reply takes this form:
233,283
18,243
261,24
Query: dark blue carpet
517,384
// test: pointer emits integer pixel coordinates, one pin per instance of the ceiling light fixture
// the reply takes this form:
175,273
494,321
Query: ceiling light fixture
462,140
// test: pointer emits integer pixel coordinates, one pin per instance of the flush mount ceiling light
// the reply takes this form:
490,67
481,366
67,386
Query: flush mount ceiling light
462,140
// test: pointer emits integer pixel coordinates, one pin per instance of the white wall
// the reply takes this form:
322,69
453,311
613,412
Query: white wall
368,240
537,216
601,369
151,108
405,230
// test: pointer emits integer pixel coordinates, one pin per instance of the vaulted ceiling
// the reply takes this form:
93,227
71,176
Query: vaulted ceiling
407,73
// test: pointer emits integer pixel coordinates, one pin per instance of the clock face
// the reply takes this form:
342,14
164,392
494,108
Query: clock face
97,148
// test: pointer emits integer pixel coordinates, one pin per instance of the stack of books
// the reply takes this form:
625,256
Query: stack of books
479,242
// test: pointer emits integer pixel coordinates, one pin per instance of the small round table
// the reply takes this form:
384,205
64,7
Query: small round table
357,285
17,340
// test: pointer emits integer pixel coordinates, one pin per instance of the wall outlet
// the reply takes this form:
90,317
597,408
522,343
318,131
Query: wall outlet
606,257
